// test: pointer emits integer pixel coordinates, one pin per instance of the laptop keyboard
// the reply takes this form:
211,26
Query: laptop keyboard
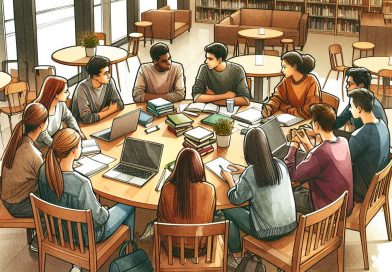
106,135
282,152
129,170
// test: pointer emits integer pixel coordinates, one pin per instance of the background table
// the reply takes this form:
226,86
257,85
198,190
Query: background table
4,79
76,56
271,68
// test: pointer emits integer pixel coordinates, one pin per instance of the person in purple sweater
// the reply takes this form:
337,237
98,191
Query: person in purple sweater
327,167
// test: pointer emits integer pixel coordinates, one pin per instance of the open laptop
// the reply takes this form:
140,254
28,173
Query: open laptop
121,125
277,141
139,162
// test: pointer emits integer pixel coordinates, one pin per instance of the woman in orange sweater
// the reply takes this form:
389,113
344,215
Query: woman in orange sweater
298,90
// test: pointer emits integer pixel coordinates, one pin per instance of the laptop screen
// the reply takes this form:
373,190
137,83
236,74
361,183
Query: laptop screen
142,153
274,134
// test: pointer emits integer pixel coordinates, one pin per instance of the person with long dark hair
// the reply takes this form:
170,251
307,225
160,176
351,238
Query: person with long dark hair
185,190
266,184
22,161
298,90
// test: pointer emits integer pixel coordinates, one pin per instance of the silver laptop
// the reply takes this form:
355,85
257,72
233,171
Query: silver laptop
140,161
121,125
277,141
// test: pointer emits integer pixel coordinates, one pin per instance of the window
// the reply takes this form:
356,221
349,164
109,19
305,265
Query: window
118,9
10,30
146,5
97,16
172,4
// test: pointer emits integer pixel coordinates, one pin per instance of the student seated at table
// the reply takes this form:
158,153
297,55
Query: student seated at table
327,167
96,97
298,90
369,145
160,78
59,184
218,79
22,161
187,198
266,184
358,77
53,95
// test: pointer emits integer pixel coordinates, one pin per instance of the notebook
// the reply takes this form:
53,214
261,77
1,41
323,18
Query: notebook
88,166
210,108
250,116
90,147
288,120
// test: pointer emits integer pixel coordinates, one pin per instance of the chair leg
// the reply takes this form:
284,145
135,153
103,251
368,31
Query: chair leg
378,84
337,76
388,219
341,257
325,82
128,65
362,233
42,258
9,119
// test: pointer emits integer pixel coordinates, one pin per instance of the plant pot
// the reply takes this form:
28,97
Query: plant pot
90,52
223,141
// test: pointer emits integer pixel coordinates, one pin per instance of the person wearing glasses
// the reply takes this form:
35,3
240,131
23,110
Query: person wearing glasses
358,77
53,95
96,97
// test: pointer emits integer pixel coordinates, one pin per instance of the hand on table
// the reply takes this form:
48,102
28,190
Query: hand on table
236,169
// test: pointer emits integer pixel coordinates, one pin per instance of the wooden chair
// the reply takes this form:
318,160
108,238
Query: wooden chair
101,36
318,234
336,53
53,240
384,74
133,42
237,43
330,99
16,94
377,197
217,240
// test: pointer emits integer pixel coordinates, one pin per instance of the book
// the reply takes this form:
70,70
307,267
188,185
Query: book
145,118
199,134
90,147
159,103
160,112
179,120
210,108
250,116
213,119
215,167
180,131
199,145
200,150
88,167
288,120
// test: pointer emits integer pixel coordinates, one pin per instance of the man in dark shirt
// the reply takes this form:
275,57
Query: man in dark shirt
369,145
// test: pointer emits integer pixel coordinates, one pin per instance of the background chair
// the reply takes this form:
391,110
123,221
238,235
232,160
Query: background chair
377,197
318,234
331,100
385,75
337,64
101,36
216,235
66,242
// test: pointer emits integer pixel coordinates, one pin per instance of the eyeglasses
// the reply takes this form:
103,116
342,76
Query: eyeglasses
348,84
107,73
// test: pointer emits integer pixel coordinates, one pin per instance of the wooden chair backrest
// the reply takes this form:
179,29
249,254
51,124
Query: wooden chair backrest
335,51
49,217
101,36
269,52
17,95
331,100
319,233
196,231
377,194
385,73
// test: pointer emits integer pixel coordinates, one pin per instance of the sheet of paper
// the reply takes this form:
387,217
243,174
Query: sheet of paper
223,111
215,167
181,108
103,158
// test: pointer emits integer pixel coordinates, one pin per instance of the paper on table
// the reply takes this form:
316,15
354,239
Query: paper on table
181,108
214,167
103,158
223,111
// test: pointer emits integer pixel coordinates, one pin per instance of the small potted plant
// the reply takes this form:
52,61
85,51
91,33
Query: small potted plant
90,42
223,128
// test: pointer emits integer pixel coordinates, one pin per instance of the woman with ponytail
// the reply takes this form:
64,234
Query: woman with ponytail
22,161
59,184
298,90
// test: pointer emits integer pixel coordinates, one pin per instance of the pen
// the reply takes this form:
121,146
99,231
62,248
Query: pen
221,167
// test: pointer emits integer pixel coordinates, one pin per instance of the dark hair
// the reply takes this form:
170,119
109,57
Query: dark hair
52,86
96,64
360,75
324,115
258,153
158,50
33,115
219,50
362,98
305,63
189,168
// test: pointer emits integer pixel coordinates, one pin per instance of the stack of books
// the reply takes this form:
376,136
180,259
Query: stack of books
178,123
159,106
200,139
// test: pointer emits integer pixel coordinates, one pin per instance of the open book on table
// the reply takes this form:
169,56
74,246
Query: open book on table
89,166
215,167
210,108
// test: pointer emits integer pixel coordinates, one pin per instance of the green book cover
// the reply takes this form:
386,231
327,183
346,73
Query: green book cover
179,120
213,118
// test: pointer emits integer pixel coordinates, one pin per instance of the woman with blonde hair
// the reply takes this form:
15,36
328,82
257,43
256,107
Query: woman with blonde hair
53,95
22,161
59,184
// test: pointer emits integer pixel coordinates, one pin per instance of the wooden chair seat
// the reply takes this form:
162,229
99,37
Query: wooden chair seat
8,221
12,109
341,68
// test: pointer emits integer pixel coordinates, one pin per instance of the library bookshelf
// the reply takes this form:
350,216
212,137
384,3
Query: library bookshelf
325,16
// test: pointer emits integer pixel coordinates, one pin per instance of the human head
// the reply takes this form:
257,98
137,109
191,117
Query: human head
294,61
258,153
66,142
98,69
160,55
216,53
34,117
357,77
361,100
189,168
323,117
54,87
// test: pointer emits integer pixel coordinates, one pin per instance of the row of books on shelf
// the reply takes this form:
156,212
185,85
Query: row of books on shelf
209,3
208,15
320,11
289,6
376,3
351,2
321,24
347,26
234,4
348,13
261,5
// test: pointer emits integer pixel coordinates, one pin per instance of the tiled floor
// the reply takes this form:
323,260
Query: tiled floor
188,49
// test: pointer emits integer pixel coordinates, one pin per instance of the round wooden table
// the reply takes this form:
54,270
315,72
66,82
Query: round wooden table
5,79
76,56
373,64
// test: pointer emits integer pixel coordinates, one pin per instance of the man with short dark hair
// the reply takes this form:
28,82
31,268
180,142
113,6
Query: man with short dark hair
160,78
369,145
327,167
96,97
218,79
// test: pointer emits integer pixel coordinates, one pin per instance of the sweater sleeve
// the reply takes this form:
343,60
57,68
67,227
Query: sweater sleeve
114,95
45,138
87,117
304,171
90,202
357,147
68,118
200,85
277,98
241,89
139,89
241,192
178,92
343,118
